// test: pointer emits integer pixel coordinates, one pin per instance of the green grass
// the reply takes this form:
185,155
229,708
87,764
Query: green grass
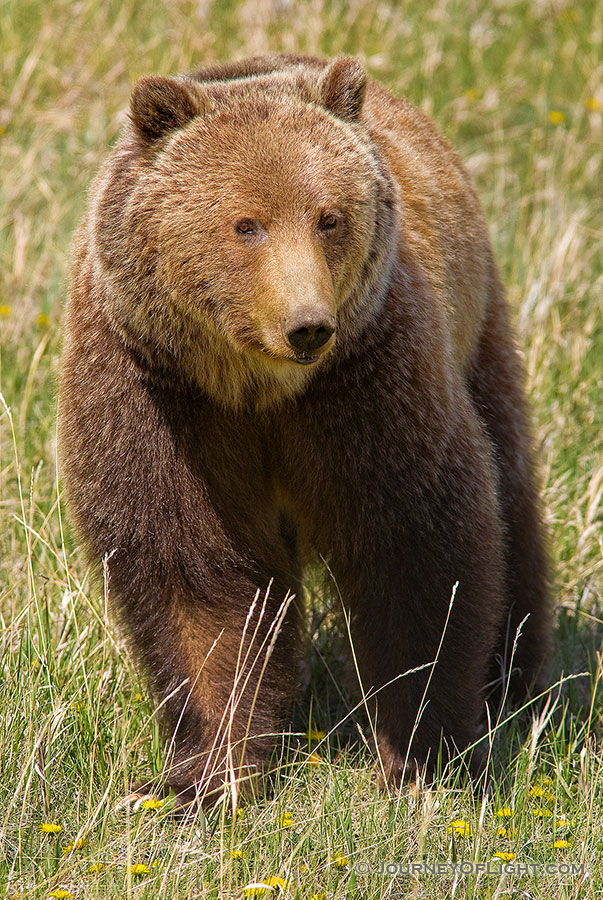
517,88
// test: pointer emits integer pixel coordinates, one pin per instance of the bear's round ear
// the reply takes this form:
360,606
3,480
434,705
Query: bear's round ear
159,105
343,86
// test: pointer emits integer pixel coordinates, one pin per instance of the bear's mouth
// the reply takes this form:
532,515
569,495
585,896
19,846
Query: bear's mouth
305,360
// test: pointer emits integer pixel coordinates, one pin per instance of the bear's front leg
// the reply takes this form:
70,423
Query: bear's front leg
158,481
221,665
423,583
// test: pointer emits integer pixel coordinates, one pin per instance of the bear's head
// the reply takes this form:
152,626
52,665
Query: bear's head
243,230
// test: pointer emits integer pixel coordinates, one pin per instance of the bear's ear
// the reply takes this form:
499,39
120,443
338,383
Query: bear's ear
342,88
159,105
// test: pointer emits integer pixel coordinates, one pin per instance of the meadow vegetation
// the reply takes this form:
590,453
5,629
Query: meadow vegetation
518,88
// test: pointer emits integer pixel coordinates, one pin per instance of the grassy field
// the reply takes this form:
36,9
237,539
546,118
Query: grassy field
517,86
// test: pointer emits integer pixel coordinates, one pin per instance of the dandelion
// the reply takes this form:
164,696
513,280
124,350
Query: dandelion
504,813
564,823
4,311
314,759
50,828
506,857
286,820
152,803
569,16
536,791
561,845
139,869
314,735
540,812
321,896
258,888
156,863
35,663
593,104
460,828
237,854
556,117
137,698
60,894
340,861
76,845
505,832
97,867
42,320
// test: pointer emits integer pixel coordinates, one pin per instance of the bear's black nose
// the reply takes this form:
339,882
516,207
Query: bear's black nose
309,338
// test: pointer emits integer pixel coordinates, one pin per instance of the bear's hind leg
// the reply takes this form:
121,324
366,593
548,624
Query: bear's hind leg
496,387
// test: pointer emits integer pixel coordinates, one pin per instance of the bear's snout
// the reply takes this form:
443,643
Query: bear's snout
309,333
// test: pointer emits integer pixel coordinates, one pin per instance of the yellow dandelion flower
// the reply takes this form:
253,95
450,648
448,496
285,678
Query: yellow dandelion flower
237,854
153,803
139,869
321,896
314,735
50,828
42,320
540,812
137,698
35,663
286,820
505,832
156,863
536,791
506,857
561,845
314,759
60,894
547,780
304,868
76,845
565,823
593,104
340,861
556,117
240,811
97,867
505,813
569,16
275,881
256,889
5,311
460,828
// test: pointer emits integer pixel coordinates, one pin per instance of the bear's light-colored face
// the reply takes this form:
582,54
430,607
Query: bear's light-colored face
253,227
263,230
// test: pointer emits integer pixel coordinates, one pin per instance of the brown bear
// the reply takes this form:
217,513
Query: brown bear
287,342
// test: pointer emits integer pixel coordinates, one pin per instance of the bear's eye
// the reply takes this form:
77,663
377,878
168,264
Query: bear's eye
327,223
245,226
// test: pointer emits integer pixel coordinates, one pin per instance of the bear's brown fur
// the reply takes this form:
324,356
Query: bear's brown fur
286,341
